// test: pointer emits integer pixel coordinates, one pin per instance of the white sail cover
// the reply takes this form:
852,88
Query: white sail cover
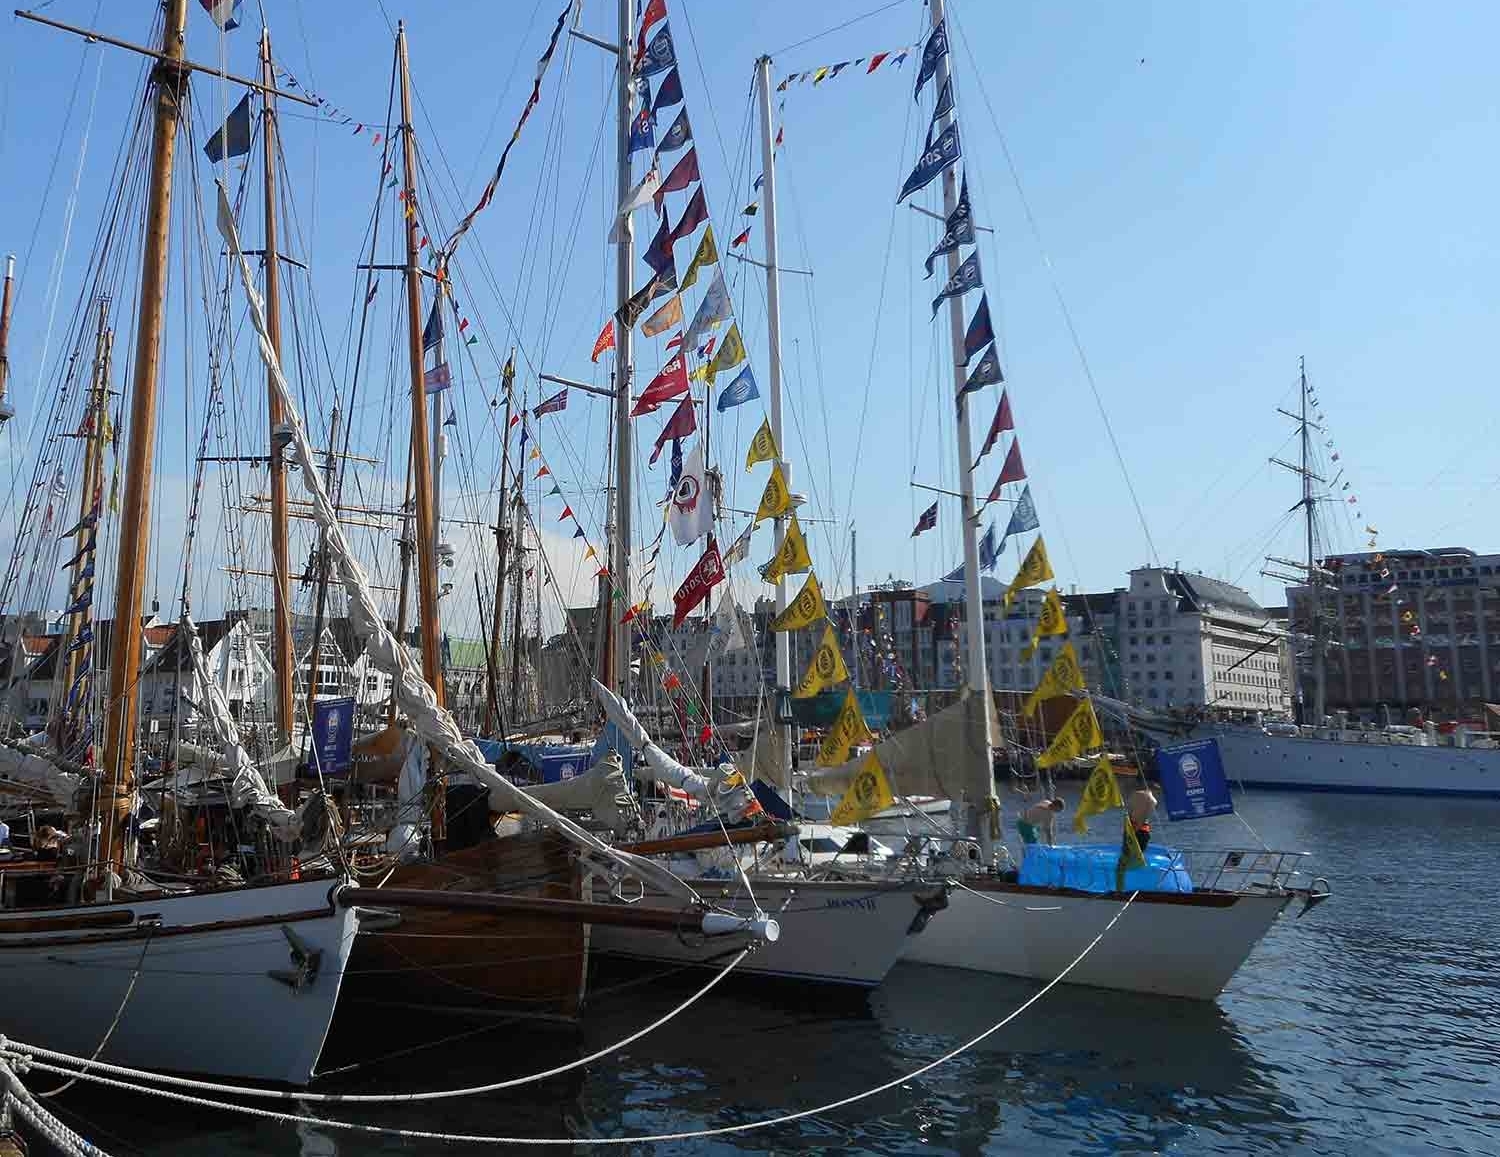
415,697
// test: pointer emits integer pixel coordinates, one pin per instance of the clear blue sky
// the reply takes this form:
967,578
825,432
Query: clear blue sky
1220,189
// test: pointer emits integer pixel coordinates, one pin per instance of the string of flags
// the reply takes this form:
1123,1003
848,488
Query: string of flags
863,65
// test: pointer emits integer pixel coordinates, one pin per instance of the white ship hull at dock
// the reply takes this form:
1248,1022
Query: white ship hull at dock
220,989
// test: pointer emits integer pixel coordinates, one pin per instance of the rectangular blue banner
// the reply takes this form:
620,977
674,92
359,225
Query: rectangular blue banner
333,735
1192,780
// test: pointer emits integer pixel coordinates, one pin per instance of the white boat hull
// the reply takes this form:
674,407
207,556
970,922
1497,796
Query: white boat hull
833,932
205,1001
1255,759
1170,945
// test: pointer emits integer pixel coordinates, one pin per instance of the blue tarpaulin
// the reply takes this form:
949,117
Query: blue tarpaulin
1091,868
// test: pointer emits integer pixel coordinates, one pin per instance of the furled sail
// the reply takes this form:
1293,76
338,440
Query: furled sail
415,697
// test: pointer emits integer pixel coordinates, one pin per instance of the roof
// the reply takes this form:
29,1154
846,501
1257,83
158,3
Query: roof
1092,605
173,656
1201,593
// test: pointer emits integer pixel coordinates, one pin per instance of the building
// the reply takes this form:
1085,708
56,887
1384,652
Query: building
1406,628
1188,640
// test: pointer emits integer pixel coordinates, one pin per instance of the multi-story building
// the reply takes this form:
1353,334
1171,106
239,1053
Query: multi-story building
1405,628
1187,640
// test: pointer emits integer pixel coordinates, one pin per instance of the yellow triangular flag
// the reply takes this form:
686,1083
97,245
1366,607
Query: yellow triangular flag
762,446
590,553
664,318
776,499
1034,569
869,793
826,669
708,254
1062,676
731,352
698,373
792,556
1131,855
1100,794
804,610
1052,621
1079,734
847,729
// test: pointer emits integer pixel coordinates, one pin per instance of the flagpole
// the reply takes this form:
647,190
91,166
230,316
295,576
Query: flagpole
977,667
619,568
773,362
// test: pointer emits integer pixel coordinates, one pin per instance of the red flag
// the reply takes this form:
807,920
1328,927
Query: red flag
683,174
684,421
781,132
605,340
515,420
567,513
674,341
672,382
543,472
656,10
876,61
740,240
1012,471
707,573
1002,422
694,215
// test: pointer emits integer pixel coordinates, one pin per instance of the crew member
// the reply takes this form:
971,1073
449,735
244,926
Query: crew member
1038,823
1140,808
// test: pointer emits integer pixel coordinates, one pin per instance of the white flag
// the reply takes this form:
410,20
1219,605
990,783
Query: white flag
691,510
638,198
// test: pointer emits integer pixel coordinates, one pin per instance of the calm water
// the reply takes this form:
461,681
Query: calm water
1370,1026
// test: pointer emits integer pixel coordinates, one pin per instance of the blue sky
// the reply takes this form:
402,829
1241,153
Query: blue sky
1217,189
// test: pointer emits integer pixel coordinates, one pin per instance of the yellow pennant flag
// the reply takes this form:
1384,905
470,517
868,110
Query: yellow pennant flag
791,558
731,352
698,373
847,729
708,254
1131,855
776,499
1100,794
763,446
1034,569
804,610
869,793
664,318
1053,621
1062,676
826,669
114,490
1077,736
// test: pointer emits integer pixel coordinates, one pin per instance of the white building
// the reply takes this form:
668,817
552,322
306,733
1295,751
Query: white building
1187,640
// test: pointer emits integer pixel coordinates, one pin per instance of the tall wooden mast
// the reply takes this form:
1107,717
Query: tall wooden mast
169,80
421,447
502,551
5,303
283,657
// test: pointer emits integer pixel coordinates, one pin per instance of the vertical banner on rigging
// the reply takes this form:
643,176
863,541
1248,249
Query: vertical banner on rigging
333,734
1192,780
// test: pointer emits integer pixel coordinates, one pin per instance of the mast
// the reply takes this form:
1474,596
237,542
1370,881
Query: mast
283,657
403,597
773,332
977,668
515,643
619,567
320,564
1314,576
169,79
854,601
6,409
421,450
502,549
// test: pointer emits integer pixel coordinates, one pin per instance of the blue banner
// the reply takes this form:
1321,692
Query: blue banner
333,734
1192,780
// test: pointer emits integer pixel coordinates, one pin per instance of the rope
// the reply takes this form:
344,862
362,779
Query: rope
119,1012
19,1100
656,1138
374,1098
1002,903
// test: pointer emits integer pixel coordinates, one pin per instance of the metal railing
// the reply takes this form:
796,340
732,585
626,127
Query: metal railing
1240,869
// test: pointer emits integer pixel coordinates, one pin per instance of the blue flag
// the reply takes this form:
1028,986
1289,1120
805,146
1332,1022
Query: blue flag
943,107
980,332
986,372
676,465
942,154
678,135
933,51
1023,517
659,55
960,283
233,139
956,575
739,391
643,127
669,93
432,332
959,227
989,550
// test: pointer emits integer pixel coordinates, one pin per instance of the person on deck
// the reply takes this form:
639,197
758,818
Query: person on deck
1038,823
1140,808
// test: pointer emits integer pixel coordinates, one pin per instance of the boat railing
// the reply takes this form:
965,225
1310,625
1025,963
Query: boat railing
1240,869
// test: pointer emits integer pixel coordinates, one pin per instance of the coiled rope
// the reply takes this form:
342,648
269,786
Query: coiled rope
10,1048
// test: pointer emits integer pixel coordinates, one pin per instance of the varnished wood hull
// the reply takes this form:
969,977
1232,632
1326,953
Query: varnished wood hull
478,964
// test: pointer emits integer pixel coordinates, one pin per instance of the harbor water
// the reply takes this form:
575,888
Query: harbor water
1370,1026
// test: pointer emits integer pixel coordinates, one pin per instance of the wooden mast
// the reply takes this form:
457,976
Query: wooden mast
169,79
502,548
5,303
421,448
283,657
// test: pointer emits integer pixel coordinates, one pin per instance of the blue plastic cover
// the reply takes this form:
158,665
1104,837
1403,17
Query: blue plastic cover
1091,868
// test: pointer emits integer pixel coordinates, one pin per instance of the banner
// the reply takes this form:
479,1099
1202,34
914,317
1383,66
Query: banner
333,734
1192,780
1053,621
762,446
791,558
1035,568
776,499
699,584
1100,794
869,793
804,610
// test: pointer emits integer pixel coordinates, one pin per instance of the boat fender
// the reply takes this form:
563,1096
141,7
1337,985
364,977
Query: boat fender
928,905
